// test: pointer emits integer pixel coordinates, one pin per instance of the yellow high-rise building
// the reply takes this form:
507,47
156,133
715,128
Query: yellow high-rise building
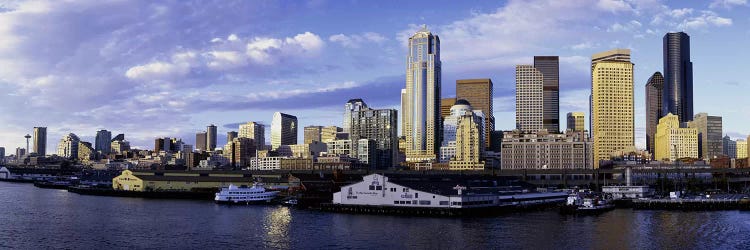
612,111
672,142
741,149
469,144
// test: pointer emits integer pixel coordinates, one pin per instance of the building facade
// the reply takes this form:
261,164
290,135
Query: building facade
673,142
730,147
470,143
576,121
68,146
255,131
211,137
549,66
283,130
201,144
741,149
313,133
543,150
379,125
710,142
445,106
422,110
330,133
677,94
612,109
529,98
340,148
351,106
479,93
231,135
102,141
654,88
40,141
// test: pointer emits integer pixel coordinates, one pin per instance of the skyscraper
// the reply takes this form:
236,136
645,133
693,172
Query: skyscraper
710,142
479,93
200,141
549,66
677,94
103,141
351,106
575,121
654,88
445,106
255,131
231,135
741,148
422,110
529,98
729,147
612,111
211,137
40,141
283,130
68,146
378,126
402,124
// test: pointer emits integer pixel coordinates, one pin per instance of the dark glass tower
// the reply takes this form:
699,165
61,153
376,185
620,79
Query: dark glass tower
677,94
653,108
550,68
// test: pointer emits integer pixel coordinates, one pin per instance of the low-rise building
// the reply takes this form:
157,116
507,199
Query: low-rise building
673,142
182,180
543,150
266,163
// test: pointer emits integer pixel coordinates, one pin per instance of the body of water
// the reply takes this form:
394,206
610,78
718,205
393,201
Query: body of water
34,218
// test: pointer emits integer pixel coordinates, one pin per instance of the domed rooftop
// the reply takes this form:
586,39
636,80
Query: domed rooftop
462,102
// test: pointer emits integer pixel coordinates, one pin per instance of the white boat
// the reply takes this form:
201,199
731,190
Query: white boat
245,195
586,204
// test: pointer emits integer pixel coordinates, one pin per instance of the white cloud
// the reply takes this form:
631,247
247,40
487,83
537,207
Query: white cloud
614,5
727,4
631,26
157,70
584,46
356,40
705,20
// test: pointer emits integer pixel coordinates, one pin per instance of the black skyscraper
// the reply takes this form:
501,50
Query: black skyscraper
677,94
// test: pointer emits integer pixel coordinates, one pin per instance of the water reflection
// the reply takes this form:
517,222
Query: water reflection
276,225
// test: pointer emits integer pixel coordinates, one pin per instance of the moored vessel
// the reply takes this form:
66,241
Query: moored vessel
257,194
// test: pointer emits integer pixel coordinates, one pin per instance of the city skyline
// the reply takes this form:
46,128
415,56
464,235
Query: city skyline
165,87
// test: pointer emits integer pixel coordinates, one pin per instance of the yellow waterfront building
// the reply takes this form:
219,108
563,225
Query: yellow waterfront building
673,142
185,180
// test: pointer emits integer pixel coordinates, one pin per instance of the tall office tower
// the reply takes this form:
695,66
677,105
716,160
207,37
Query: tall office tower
68,146
313,133
211,137
231,135
710,142
550,68
239,151
402,124
730,147
741,148
422,110
20,153
612,111
575,121
283,130
158,145
673,142
329,133
380,126
255,131
103,140
677,94
479,93
201,144
529,98
351,106
2,153
445,106
654,88
40,141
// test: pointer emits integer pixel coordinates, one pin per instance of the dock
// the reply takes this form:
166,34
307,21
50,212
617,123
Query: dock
725,202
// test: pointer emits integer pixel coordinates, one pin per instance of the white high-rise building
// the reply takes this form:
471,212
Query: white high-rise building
421,111
529,98
283,130
68,146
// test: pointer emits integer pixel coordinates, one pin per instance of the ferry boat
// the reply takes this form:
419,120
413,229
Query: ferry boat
257,194
586,204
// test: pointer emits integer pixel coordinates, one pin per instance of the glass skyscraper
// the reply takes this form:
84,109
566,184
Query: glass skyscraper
654,88
422,105
677,94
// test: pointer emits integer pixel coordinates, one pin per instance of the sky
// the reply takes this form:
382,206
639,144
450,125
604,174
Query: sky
153,69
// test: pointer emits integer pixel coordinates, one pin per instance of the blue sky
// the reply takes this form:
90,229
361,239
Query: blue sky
169,68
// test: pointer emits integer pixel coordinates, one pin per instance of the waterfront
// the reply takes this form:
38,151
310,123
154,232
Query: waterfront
34,218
